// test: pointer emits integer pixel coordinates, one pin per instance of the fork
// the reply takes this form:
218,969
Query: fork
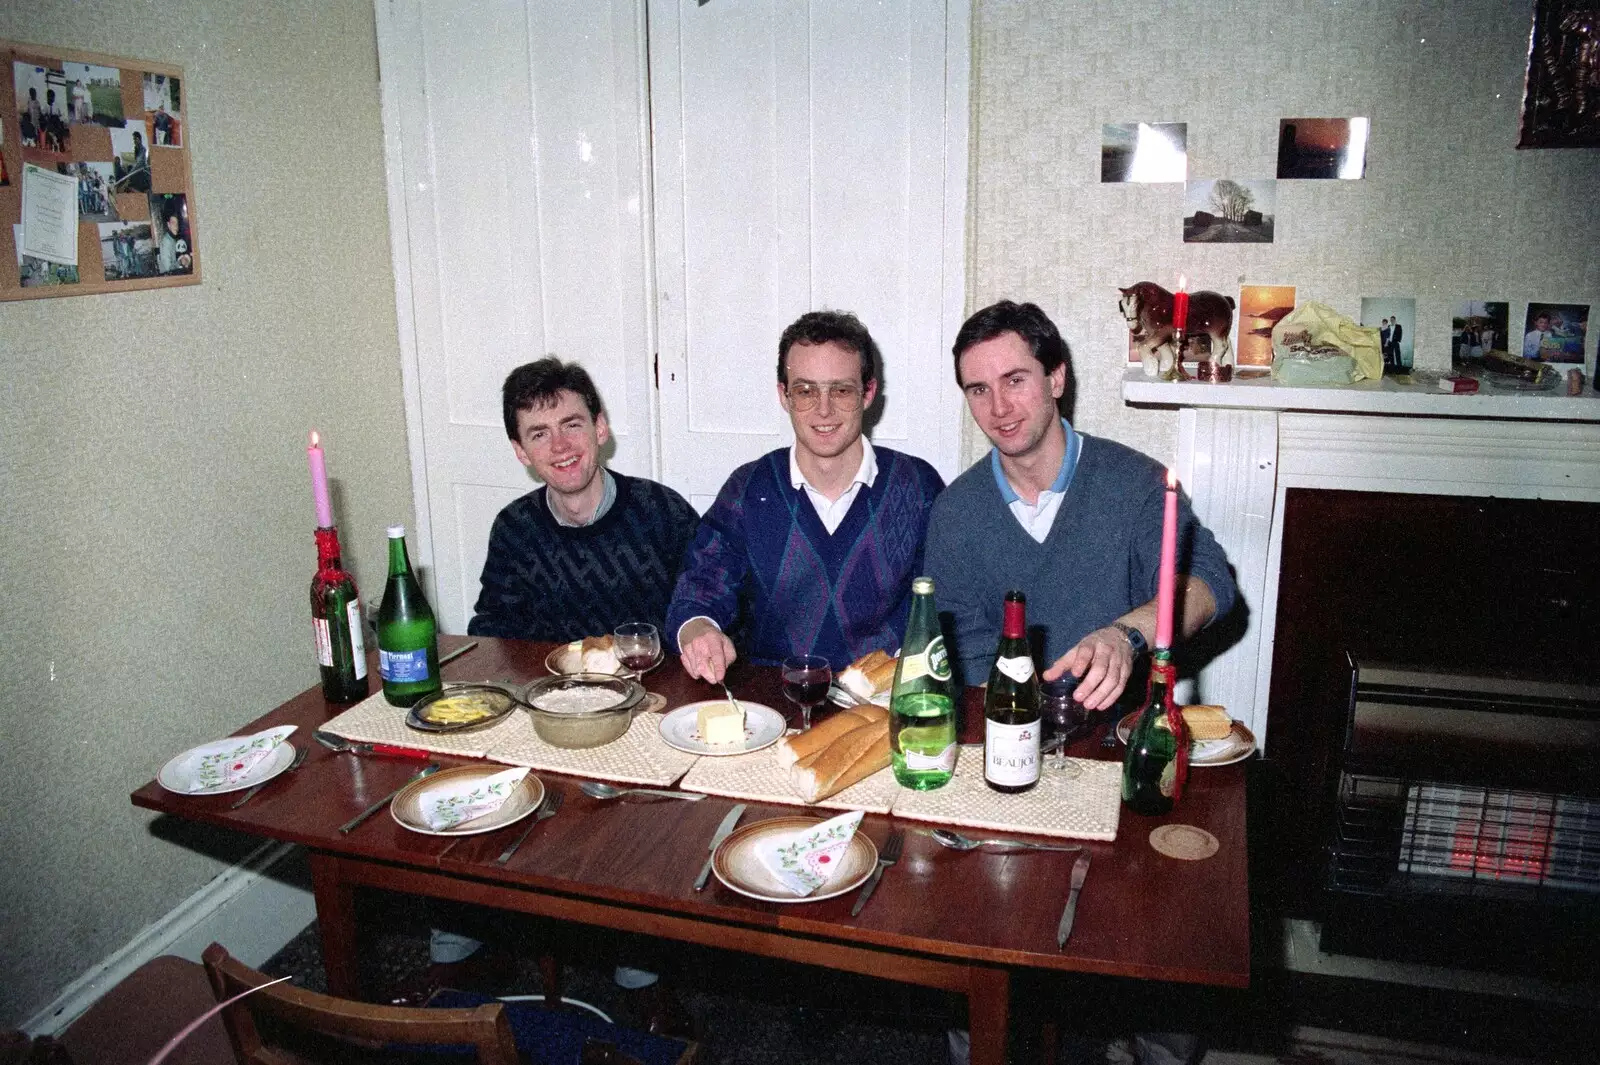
886,857
552,803
299,758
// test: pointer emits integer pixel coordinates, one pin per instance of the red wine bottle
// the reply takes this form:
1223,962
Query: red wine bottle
336,620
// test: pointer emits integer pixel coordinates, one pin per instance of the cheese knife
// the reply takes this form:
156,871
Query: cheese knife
1080,871
724,830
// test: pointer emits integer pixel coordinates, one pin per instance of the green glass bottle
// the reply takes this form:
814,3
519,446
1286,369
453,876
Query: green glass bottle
1157,760
1011,706
922,715
408,636
336,623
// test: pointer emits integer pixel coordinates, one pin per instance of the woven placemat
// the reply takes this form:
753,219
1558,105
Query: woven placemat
375,720
757,777
638,756
1082,808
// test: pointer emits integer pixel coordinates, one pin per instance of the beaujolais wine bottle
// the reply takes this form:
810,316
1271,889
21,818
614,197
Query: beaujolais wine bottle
1011,706
922,715
1157,760
408,636
336,619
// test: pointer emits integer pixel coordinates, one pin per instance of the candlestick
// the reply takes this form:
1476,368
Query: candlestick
1167,583
1180,307
319,482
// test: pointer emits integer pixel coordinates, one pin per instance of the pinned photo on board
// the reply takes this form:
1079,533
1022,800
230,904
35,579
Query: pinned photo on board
1477,328
169,218
130,159
37,273
1144,152
1395,319
1260,308
42,102
162,106
1555,332
1322,148
94,94
1230,211
96,203
128,250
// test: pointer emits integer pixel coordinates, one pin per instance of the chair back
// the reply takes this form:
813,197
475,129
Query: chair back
483,1027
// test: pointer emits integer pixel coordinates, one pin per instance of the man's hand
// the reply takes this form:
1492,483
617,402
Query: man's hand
707,652
1102,661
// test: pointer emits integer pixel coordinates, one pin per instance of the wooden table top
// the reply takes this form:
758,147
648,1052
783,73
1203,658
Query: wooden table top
1140,915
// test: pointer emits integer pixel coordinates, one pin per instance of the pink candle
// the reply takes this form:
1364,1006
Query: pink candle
319,483
1167,585
1180,304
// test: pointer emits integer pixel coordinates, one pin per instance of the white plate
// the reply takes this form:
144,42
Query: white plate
1239,745
552,662
522,802
763,726
737,866
173,778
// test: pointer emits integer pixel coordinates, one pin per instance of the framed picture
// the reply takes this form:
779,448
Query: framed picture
1561,94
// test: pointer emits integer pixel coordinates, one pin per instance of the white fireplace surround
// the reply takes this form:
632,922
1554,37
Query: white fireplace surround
1241,446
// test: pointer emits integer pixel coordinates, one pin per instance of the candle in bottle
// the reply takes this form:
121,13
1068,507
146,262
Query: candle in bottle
319,482
1166,585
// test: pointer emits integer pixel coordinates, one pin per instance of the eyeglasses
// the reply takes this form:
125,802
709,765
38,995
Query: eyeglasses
803,395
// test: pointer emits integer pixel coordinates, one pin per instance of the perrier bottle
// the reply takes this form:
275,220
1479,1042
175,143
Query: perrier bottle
408,637
1157,760
922,716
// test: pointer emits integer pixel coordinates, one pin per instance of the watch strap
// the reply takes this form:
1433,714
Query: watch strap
1135,638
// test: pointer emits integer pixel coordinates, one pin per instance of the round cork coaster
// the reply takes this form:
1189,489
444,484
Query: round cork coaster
653,703
1184,842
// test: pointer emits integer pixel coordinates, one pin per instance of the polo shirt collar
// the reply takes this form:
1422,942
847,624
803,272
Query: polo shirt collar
1069,465
866,473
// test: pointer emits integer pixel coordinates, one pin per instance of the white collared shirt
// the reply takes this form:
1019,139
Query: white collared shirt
832,511
1036,518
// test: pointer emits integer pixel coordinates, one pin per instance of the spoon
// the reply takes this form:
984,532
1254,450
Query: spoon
596,790
956,841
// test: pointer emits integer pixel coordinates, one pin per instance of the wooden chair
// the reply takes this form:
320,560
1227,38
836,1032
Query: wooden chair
484,1027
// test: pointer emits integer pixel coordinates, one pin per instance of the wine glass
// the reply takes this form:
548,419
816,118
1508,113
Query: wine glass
638,647
1064,719
805,683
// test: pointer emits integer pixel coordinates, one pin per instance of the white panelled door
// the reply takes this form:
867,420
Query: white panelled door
808,154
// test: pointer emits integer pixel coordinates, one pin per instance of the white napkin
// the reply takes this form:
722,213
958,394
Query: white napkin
229,761
448,805
804,861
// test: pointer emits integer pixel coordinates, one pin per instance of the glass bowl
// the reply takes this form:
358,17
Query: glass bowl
578,728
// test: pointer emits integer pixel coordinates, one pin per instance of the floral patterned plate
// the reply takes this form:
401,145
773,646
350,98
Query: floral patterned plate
739,866
201,770
406,808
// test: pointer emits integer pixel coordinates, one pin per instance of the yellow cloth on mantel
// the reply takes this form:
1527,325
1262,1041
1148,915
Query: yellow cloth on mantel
1316,325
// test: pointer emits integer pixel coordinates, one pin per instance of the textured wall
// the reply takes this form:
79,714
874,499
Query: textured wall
155,550
1449,210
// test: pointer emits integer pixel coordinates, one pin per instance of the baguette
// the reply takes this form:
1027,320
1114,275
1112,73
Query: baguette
792,749
856,755
1204,722
868,676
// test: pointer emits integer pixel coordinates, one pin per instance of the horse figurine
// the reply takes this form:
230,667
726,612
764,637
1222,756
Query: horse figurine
1147,308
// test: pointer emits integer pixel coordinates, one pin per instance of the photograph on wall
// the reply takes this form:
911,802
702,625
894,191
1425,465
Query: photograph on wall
1144,152
130,159
94,93
1229,211
1478,327
1560,89
1260,308
169,218
127,250
162,105
41,94
1316,148
37,273
1395,319
1555,332
96,202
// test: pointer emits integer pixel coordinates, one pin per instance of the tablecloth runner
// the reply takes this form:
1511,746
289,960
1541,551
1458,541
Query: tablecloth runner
1085,807
757,777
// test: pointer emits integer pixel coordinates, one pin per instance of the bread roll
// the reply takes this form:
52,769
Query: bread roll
852,757
1204,722
792,749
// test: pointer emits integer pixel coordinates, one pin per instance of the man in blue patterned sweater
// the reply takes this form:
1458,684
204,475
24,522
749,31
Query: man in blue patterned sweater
810,549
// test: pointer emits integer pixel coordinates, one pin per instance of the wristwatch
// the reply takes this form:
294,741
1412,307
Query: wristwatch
1136,640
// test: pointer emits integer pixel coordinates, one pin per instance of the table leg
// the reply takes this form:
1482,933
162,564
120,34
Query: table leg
988,1009
336,921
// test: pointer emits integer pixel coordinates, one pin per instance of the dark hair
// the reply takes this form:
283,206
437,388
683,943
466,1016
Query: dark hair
1024,319
536,384
823,327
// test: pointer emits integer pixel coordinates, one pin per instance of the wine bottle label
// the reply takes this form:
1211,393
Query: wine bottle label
324,641
1169,779
1018,669
358,639
933,661
403,667
944,761
1011,753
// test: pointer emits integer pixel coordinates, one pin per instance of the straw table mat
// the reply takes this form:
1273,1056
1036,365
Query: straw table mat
1082,808
757,777
639,756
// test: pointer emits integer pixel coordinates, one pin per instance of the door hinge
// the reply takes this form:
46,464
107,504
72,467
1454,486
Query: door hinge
655,368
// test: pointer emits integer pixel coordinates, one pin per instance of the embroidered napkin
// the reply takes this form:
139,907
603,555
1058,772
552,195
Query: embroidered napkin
229,761
804,861
447,805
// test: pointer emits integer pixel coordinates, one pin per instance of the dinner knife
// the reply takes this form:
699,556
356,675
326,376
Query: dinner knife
451,656
355,821
1080,871
724,830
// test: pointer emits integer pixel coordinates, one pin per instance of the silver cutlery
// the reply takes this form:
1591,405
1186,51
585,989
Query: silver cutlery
457,653
956,841
344,746
299,759
596,790
351,824
886,857
1080,870
723,831
552,803
729,693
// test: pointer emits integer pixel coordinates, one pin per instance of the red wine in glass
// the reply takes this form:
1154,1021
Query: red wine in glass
637,646
805,683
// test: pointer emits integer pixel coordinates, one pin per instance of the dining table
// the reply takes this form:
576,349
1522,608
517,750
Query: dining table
964,922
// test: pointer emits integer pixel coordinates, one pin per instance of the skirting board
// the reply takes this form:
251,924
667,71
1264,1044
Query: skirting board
247,909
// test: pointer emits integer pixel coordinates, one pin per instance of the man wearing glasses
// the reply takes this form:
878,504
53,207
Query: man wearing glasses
810,549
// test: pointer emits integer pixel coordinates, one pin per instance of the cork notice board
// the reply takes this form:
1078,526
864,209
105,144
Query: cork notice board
117,127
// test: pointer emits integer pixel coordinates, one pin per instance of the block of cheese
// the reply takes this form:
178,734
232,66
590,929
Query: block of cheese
720,723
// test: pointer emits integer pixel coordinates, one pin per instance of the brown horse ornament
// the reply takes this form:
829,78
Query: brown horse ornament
1147,308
